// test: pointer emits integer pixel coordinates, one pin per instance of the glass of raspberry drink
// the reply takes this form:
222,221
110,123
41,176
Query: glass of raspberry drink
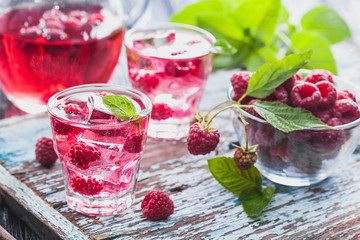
47,46
170,63
100,154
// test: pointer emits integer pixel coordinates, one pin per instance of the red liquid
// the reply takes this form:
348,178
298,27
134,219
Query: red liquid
44,50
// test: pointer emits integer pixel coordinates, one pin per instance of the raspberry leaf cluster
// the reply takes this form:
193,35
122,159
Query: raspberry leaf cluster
247,185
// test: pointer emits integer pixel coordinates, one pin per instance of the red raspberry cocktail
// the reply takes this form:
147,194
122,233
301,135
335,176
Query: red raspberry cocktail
100,154
170,63
48,47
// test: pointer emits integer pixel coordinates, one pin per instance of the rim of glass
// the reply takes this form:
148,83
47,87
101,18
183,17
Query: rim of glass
166,25
306,71
98,88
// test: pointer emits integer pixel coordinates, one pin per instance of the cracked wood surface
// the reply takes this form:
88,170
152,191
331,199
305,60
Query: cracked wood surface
203,209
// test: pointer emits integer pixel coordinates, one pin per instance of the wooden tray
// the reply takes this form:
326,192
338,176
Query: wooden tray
203,209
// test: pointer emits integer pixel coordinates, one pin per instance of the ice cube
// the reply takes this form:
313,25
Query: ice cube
31,32
98,111
154,39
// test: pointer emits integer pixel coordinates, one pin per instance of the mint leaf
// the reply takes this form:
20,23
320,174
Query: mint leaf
254,206
223,47
221,22
327,22
271,75
322,57
232,179
286,118
259,16
120,106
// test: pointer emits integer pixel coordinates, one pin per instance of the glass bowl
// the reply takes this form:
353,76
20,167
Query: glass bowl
299,158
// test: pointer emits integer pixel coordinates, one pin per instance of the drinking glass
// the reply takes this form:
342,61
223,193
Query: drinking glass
47,46
170,63
99,154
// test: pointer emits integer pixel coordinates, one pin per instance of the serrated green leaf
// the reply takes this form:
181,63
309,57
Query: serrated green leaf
286,118
259,16
222,47
254,206
322,57
271,75
327,22
231,178
120,106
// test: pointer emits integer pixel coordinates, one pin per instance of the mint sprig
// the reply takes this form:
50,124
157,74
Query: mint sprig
247,185
122,107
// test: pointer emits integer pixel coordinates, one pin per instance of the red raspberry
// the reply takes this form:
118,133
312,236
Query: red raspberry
44,152
264,135
240,81
133,143
281,151
161,111
345,94
281,95
177,68
144,81
251,110
86,186
334,122
72,109
328,139
305,95
324,115
170,38
202,141
346,110
197,68
319,75
291,82
328,94
157,205
300,135
63,129
81,155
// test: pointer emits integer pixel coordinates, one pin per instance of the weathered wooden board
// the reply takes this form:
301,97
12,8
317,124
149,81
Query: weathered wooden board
203,209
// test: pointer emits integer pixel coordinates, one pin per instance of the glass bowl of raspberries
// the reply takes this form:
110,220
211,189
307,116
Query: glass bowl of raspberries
303,157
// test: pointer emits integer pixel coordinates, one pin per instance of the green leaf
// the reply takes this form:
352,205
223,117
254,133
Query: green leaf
189,14
259,16
232,179
259,57
322,57
221,22
286,118
254,206
222,47
327,22
120,106
271,75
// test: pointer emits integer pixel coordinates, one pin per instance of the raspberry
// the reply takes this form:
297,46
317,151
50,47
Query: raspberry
251,110
264,135
334,122
346,110
300,135
197,68
244,160
240,81
44,152
170,38
123,132
202,141
63,129
144,81
177,68
305,95
157,205
281,95
328,94
86,186
328,139
291,82
319,75
133,143
81,155
72,109
281,151
345,94
161,111
324,115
